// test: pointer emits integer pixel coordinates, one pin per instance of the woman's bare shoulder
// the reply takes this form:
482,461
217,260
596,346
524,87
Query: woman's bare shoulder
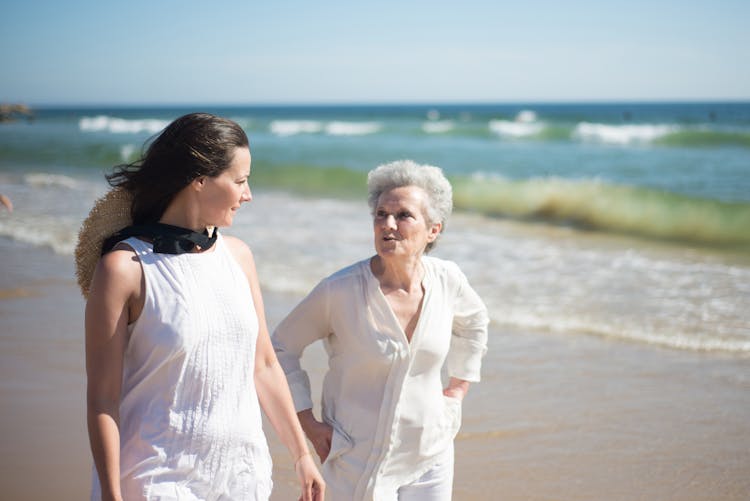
120,268
238,248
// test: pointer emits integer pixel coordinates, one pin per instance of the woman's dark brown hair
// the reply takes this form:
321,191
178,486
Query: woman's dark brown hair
194,145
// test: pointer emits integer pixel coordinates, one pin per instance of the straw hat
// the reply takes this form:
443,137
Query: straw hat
110,214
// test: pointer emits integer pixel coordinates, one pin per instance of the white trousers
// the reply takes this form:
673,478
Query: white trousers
435,485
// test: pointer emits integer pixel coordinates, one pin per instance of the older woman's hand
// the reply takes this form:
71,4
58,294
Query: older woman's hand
320,434
457,388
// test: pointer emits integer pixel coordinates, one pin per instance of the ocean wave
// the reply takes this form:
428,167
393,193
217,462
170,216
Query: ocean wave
589,203
338,128
526,116
120,125
40,231
44,180
705,137
512,129
524,125
293,127
334,128
438,126
609,207
622,134
640,333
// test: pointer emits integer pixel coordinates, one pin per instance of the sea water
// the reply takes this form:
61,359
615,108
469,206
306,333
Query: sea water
628,221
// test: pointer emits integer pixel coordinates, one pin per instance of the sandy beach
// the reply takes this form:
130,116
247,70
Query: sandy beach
556,417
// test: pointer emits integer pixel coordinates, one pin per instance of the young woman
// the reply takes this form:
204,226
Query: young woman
178,355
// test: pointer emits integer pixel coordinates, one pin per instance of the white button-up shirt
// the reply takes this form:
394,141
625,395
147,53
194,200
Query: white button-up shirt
382,394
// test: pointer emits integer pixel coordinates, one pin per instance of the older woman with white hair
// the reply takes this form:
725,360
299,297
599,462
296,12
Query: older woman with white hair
389,324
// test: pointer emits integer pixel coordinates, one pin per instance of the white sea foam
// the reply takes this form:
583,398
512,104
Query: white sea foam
293,127
337,128
120,125
59,234
526,116
49,208
40,180
513,129
641,334
622,134
438,127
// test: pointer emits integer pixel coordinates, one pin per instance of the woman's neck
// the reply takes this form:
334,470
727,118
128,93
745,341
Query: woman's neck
177,215
398,274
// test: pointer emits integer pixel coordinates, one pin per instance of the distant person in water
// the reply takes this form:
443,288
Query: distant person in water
178,355
389,323
6,202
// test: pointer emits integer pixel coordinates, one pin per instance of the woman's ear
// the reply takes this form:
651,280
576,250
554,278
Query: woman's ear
198,183
434,231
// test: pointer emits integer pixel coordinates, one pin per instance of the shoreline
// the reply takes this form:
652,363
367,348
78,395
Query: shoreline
556,416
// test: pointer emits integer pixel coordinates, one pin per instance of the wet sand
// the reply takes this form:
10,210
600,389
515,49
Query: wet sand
556,417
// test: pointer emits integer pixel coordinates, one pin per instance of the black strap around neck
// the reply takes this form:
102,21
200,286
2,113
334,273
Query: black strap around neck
167,239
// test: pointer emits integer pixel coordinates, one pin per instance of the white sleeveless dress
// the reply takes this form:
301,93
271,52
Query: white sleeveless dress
190,422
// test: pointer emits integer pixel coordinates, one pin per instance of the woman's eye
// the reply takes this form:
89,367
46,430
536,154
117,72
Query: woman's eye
404,215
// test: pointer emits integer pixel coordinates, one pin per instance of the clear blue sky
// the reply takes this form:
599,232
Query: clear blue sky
266,51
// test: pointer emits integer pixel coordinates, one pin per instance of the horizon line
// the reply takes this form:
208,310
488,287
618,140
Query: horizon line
395,103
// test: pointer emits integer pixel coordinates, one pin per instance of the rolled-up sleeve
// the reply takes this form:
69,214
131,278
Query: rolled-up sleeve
307,323
469,333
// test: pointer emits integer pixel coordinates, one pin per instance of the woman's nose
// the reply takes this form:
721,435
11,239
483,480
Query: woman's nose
247,195
390,221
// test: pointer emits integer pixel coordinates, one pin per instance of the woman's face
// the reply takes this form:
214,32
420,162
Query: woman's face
221,196
399,224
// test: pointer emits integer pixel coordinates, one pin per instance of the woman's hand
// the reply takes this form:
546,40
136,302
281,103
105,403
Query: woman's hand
320,434
313,485
457,388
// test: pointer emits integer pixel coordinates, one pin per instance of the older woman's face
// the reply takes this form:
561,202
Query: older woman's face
400,226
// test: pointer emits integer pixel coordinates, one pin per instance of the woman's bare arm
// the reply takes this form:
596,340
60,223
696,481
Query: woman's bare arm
115,285
273,390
